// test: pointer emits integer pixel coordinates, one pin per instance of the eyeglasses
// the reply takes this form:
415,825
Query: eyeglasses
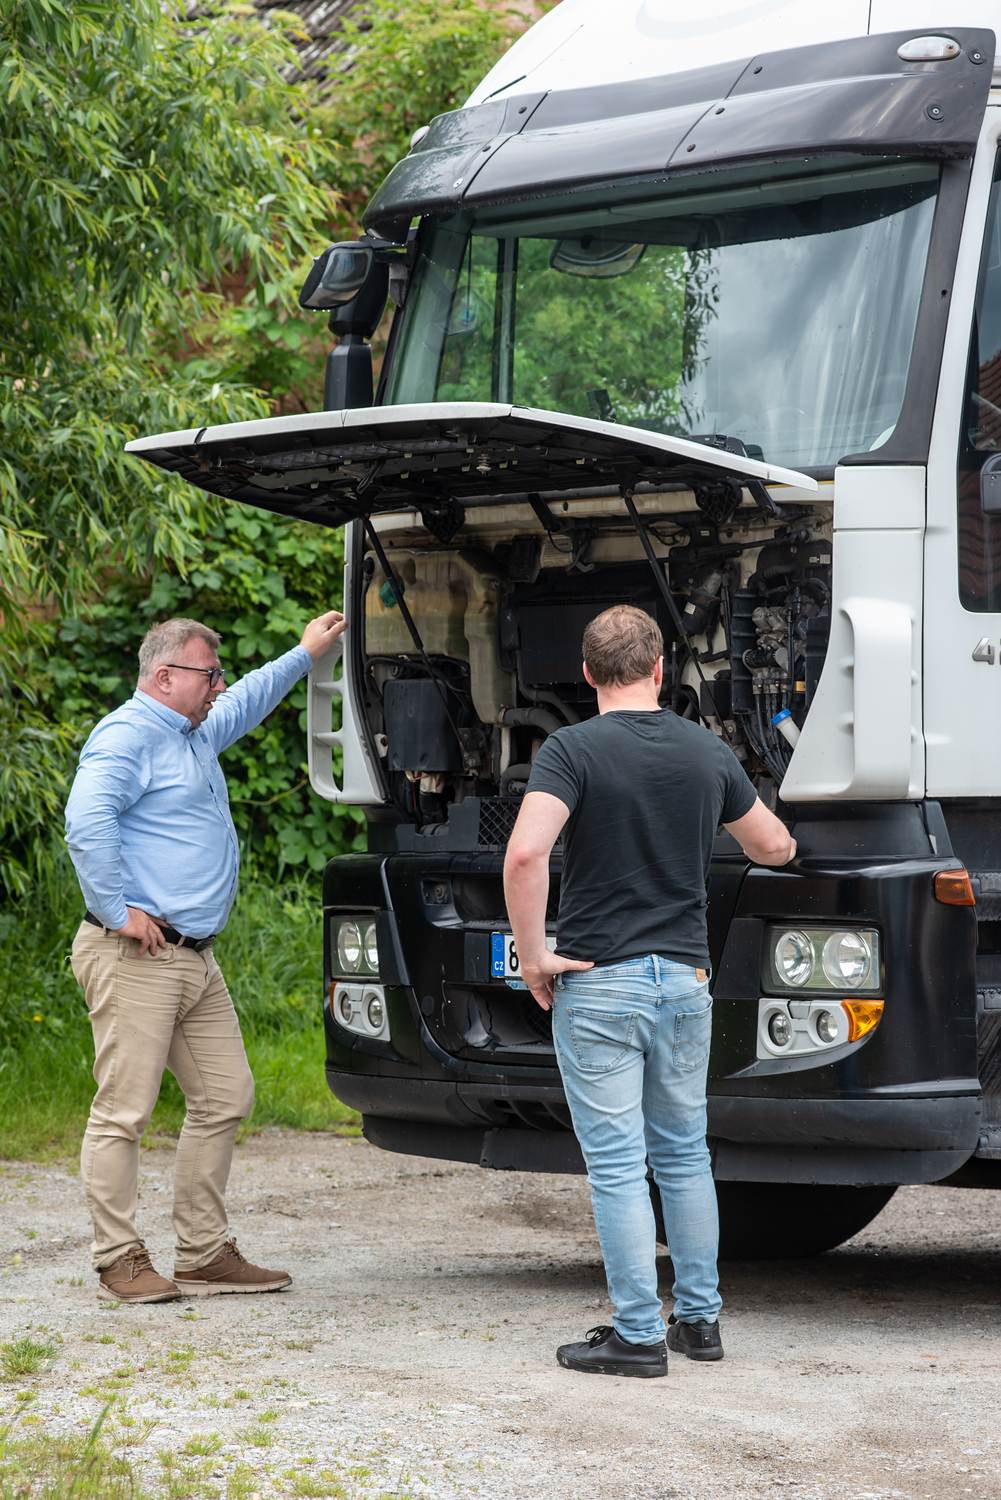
215,675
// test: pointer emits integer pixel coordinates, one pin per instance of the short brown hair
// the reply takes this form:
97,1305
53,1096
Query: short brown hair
621,645
163,641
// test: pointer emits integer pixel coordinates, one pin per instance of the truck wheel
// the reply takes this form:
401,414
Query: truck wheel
778,1220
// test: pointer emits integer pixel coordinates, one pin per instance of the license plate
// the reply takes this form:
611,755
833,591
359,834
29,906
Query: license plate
503,957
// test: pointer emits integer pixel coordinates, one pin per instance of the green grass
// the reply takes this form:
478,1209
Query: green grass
25,1356
61,1467
270,954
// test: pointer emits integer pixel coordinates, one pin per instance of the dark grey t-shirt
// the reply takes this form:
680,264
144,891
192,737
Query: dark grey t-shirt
646,793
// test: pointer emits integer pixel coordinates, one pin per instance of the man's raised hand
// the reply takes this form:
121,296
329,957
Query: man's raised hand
321,633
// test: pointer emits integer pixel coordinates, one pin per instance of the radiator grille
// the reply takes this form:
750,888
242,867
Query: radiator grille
497,820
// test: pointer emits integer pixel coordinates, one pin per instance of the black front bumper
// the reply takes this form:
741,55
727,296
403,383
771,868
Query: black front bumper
869,1140
470,1074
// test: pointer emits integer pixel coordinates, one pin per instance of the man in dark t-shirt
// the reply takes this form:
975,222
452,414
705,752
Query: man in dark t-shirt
638,794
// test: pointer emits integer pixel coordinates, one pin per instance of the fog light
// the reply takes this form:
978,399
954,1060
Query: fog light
779,1029
375,1011
863,1016
345,1007
827,1026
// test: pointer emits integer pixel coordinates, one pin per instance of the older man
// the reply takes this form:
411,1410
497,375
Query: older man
151,836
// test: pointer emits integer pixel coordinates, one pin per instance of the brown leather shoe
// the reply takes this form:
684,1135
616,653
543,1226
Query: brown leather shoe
230,1272
131,1278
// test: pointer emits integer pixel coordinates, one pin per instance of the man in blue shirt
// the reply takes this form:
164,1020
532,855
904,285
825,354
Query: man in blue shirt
150,834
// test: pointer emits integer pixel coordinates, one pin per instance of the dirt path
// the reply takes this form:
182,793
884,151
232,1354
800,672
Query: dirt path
414,1354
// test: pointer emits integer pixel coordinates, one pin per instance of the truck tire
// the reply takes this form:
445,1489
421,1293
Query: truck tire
778,1220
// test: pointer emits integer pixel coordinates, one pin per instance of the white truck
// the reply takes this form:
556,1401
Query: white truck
699,308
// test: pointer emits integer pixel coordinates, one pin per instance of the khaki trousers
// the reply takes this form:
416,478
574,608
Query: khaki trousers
150,1012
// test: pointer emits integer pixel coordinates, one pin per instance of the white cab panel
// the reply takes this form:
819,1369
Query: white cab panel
962,696
863,735
361,782
932,16
585,42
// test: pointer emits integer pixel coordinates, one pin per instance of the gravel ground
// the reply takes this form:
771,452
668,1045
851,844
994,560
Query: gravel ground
414,1354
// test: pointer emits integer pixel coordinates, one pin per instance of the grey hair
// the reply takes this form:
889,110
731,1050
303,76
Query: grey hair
162,642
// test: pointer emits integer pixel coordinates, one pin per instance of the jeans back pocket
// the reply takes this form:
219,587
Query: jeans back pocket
693,1031
600,1038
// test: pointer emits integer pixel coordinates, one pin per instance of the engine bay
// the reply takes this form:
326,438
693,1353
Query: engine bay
472,640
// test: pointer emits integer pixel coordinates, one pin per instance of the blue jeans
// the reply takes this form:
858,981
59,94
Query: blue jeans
632,1042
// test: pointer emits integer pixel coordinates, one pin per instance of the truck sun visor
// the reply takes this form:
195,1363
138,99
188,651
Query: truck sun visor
871,101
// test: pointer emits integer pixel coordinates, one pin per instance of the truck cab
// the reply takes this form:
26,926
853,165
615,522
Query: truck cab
704,317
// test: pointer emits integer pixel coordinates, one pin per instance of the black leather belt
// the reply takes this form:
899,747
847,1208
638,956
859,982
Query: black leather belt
177,939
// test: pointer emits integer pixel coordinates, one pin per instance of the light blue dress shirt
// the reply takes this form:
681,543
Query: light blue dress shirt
148,821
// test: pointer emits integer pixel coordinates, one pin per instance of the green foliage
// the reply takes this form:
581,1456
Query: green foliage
406,64
409,62
161,182
143,159
271,956
256,579
66,1466
25,1356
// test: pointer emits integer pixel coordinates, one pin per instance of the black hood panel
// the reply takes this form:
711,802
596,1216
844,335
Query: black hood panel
333,467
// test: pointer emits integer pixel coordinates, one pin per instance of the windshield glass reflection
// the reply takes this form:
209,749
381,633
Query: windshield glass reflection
778,312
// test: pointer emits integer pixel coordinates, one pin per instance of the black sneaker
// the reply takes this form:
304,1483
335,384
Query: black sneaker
697,1340
604,1353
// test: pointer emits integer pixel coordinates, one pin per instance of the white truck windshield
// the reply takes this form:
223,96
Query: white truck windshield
779,311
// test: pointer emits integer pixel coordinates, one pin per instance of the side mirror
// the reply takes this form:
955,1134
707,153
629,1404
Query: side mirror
990,486
337,276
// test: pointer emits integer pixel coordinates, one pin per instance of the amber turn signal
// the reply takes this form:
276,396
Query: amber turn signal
863,1016
954,888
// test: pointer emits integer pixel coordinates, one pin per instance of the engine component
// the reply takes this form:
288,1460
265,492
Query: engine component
541,624
699,614
455,596
777,639
421,739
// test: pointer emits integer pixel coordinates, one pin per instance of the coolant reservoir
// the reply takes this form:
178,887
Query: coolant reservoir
437,601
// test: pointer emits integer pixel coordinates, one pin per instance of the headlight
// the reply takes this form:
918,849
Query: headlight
370,947
794,960
354,947
822,958
847,960
349,948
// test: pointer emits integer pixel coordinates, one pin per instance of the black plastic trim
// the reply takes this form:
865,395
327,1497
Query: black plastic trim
854,95
832,1165
924,1124
557,1151
911,437
929,1123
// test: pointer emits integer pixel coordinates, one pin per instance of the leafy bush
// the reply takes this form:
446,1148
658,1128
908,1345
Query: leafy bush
160,183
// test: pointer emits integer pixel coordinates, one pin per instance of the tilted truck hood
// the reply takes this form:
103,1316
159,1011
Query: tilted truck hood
331,467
